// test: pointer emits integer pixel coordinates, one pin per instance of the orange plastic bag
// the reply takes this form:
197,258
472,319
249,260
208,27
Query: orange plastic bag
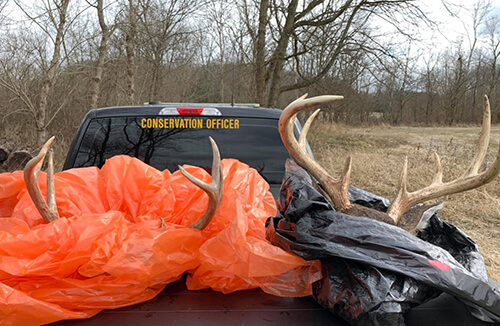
109,250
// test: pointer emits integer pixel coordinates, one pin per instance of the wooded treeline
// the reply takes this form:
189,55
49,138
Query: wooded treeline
61,58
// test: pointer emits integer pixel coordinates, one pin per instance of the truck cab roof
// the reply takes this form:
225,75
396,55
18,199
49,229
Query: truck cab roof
240,110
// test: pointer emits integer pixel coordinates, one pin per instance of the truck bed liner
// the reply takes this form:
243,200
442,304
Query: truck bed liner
177,305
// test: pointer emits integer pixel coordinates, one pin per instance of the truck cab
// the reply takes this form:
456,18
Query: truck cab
166,135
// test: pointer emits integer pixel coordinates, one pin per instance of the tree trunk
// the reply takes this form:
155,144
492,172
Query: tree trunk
130,48
260,55
50,75
155,80
277,60
103,49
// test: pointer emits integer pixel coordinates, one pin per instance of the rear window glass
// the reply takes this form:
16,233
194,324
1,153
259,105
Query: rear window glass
255,142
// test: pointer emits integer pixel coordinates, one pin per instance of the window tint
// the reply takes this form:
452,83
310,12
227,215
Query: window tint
256,142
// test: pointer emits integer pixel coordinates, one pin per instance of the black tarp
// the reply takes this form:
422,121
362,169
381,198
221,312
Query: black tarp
374,272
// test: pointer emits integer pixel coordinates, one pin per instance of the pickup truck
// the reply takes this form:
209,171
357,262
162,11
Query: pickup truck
165,135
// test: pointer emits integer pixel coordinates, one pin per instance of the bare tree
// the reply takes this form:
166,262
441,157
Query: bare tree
479,13
162,24
293,26
492,31
52,21
19,70
3,3
131,31
260,52
429,80
217,32
106,32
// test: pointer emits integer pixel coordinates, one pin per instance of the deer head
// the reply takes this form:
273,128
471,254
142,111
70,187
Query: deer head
403,211
48,209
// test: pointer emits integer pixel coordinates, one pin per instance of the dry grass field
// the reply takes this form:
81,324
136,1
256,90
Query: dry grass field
378,156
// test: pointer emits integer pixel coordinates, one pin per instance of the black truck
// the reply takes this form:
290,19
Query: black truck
165,135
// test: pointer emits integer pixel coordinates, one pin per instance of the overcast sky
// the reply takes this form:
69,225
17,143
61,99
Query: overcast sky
453,25
454,18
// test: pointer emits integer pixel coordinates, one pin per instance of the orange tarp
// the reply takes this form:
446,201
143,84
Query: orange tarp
109,248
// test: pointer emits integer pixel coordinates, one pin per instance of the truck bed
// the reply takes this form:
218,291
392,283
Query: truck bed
177,305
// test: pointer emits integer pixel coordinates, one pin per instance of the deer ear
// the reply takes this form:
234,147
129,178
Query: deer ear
416,219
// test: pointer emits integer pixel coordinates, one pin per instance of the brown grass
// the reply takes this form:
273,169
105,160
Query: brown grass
378,155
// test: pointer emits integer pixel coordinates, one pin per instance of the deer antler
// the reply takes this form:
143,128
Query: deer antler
31,171
337,189
469,180
213,190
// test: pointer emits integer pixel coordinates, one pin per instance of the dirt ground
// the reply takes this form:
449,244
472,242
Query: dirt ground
378,155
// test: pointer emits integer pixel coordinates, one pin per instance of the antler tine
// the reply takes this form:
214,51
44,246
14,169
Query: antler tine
51,195
399,204
336,189
438,176
31,171
484,140
213,190
305,128
470,180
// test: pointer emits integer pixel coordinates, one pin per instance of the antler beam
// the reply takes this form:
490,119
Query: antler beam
213,190
31,171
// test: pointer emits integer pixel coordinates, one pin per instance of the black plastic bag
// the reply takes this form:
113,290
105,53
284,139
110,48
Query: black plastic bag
374,272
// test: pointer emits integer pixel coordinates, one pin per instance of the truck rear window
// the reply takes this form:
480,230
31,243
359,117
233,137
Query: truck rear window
255,142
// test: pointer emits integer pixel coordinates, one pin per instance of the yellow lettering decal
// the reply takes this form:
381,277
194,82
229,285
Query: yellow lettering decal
192,123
